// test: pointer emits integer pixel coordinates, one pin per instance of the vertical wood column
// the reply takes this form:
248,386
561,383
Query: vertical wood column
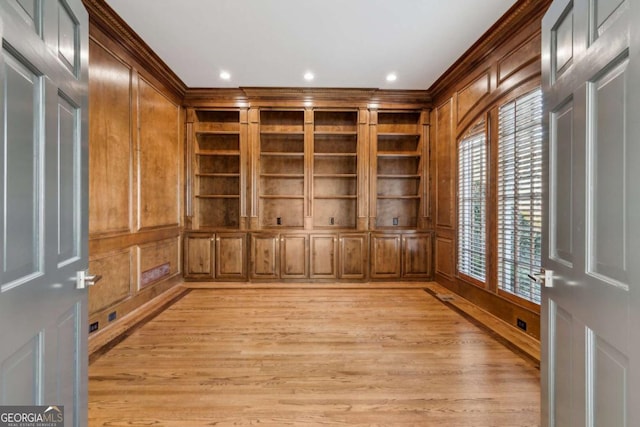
189,182
425,179
308,166
363,169
373,167
244,168
253,157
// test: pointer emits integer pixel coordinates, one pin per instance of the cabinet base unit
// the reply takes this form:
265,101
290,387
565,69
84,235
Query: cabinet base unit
308,256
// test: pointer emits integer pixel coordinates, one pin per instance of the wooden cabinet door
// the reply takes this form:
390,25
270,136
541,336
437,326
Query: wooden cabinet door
324,262
294,260
265,256
353,256
385,256
199,253
416,256
231,256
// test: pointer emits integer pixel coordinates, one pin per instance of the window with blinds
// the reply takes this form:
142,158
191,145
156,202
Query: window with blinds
472,184
520,195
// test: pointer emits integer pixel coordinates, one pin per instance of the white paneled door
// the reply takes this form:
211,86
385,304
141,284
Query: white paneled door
43,136
591,308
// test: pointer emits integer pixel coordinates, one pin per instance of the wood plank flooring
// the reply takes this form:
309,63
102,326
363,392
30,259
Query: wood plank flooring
307,357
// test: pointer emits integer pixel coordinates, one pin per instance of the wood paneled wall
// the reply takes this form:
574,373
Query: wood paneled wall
137,151
501,65
135,179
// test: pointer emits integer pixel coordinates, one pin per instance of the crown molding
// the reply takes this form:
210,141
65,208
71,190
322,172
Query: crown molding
211,97
306,97
102,16
522,13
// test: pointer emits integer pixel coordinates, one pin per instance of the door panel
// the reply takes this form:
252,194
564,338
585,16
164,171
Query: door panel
562,358
22,173
230,256
199,256
21,379
592,226
353,256
416,256
563,42
294,257
606,171
67,37
29,7
324,262
264,256
68,168
561,193
66,375
601,12
43,177
385,256
606,382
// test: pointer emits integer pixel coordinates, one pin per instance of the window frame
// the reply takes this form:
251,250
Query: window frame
495,185
479,126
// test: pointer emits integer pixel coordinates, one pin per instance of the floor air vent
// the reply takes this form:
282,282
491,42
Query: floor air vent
445,297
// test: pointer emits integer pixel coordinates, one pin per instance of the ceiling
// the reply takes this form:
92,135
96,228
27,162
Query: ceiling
344,43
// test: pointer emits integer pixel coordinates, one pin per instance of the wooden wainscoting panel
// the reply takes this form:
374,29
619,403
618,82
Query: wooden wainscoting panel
159,159
472,94
445,168
116,269
522,61
445,257
158,261
110,149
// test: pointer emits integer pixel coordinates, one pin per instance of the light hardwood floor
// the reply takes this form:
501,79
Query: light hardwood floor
278,357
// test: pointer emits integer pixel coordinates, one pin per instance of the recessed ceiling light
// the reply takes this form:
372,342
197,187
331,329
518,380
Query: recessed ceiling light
224,75
308,76
391,77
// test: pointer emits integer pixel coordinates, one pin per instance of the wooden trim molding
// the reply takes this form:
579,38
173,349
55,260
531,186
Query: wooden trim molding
521,13
513,338
306,97
107,20
105,339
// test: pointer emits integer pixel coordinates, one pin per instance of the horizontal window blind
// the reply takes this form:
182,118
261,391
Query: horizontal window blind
520,195
472,183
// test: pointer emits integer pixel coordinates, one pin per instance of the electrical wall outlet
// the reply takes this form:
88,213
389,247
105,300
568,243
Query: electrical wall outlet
93,327
112,316
332,221
395,221
279,221
522,324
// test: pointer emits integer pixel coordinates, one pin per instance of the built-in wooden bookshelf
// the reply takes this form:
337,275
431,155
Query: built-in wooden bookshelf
335,171
398,169
282,169
293,192
217,176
